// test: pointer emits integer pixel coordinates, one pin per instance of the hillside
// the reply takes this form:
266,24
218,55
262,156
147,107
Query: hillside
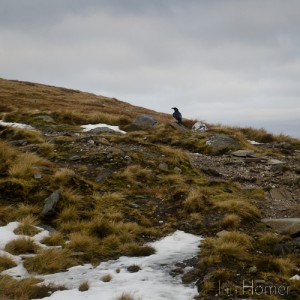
111,194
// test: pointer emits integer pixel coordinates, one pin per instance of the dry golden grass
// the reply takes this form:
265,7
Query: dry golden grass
31,136
127,296
68,214
66,105
70,196
27,226
106,278
84,286
136,174
21,245
82,242
230,245
54,239
63,175
49,261
23,166
25,289
135,250
23,210
6,263
242,208
7,152
284,266
268,240
231,221
195,201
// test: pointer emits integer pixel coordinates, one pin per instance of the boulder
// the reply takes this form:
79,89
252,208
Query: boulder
199,127
143,122
222,143
290,226
50,204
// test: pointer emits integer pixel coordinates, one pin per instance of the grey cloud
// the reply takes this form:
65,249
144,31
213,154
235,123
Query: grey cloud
221,60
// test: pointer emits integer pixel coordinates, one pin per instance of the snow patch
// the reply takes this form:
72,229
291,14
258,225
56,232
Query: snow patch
254,142
93,126
18,125
153,281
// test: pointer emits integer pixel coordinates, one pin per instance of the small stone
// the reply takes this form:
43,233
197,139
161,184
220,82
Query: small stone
163,167
275,162
91,142
75,158
37,176
253,270
243,153
177,170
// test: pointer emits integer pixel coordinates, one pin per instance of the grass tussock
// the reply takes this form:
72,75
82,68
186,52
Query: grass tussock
54,239
24,289
49,261
80,242
284,266
135,250
230,245
13,133
22,245
231,221
106,278
27,226
127,296
6,263
84,286
195,201
135,174
242,208
64,175
23,166
268,240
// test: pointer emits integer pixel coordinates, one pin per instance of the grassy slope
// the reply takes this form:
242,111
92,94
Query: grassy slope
115,215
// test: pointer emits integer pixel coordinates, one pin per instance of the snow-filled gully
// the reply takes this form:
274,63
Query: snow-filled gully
153,281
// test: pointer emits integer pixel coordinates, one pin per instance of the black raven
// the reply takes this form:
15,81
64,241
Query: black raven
177,115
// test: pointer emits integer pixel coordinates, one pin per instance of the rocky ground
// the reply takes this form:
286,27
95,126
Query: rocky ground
279,177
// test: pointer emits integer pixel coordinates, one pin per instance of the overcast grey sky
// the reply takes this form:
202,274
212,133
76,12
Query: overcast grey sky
235,62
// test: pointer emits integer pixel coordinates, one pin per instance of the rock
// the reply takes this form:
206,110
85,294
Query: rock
102,130
290,226
280,194
222,233
222,143
291,246
50,204
163,167
252,270
37,175
103,175
275,162
282,145
75,158
128,159
178,127
143,122
19,143
243,153
45,118
199,127
177,170
91,142
114,151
